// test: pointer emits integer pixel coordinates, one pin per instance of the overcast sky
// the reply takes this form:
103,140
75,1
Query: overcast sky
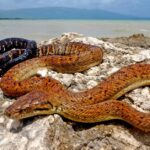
131,7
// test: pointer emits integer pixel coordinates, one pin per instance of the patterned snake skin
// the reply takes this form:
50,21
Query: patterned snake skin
15,50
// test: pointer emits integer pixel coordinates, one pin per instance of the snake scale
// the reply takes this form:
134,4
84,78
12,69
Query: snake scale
44,95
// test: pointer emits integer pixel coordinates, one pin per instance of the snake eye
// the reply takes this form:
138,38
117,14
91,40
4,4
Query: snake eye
42,106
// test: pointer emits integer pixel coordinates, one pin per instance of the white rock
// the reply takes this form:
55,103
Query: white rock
2,119
146,105
94,71
50,41
81,87
13,124
91,77
67,79
58,75
145,92
51,119
43,72
91,84
125,136
88,40
70,35
145,53
112,70
141,97
111,59
79,78
6,104
138,57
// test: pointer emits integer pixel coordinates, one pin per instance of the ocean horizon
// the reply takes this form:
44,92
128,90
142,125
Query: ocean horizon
44,29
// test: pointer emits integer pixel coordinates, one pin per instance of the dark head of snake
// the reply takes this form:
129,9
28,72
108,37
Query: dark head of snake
15,50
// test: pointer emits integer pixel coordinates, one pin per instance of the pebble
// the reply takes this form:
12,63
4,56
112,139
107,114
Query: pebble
13,124
94,71
141,97
2,119
51,119
43,72
6,104
91,84
79,78
112,70
67,79
138,57
88,40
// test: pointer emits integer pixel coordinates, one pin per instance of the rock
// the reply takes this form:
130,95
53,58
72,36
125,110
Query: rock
2,119
113,70
79,78
91,84
138,57
141,56
141,98
94,71
67,79
43,72
88,40
136,40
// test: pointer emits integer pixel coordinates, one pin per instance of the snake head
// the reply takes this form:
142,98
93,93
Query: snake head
32,104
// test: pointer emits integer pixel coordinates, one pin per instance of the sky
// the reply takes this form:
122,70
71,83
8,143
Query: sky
139,8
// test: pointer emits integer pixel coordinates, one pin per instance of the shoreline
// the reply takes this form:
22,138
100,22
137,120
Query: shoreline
39,30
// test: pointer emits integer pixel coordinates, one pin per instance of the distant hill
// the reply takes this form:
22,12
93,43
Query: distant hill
61,13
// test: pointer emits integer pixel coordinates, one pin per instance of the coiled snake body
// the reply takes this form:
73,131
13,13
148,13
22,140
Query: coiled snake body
22,50
48,96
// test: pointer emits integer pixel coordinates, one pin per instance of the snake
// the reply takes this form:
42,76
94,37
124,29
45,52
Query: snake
38,95
14,50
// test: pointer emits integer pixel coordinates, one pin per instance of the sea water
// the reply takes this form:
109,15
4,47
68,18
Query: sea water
45,29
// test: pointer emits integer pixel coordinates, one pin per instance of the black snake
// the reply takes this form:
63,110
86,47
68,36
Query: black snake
15,50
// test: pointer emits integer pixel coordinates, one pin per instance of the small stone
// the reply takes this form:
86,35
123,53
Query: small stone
67,79
43,72
89,40
6,104
51,119
13,124
94,71
113,70
81,86
125,136
79,78
111,59
146,106
90,77
146,53
138,57
145,92
2,119
91,84
32,134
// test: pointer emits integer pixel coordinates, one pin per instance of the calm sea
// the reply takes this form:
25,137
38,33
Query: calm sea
45,29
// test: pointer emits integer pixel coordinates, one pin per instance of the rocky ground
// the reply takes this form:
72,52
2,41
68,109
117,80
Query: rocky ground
56,133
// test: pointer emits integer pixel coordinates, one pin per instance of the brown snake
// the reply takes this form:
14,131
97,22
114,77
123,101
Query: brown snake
49,96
